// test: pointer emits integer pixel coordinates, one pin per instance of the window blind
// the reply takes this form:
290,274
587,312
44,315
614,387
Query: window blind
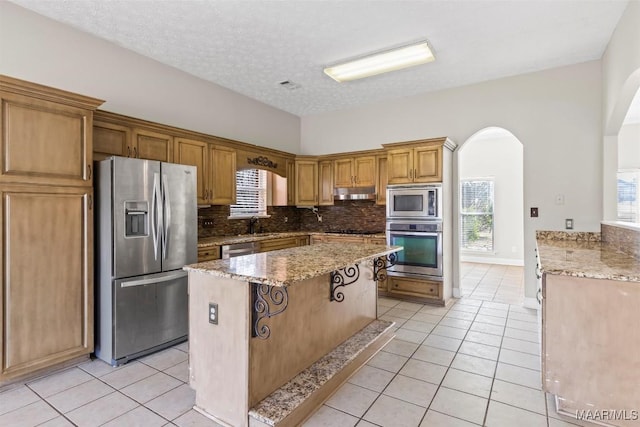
251,193
628,195
476,215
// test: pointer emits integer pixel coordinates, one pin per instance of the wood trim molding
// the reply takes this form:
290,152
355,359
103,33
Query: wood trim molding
47,93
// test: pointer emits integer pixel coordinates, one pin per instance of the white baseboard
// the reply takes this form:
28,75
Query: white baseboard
488,260
456,293
531,303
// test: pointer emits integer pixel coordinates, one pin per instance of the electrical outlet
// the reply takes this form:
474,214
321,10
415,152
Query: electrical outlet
319,218
286,219
568,223
213,313
534,212
207,223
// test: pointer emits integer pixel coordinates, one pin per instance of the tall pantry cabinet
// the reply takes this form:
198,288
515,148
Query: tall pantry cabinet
46,238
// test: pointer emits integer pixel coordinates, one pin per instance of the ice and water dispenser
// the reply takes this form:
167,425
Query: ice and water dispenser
136,218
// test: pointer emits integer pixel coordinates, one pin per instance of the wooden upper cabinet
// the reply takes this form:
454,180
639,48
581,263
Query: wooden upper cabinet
355,172
381,181
152,145
46,135
428,164
325,170
110,140
222,175
46,277
343,172
195,153
306,177
421,164
291,182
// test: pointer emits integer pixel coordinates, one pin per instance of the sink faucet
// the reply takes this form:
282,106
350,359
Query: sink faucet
252,224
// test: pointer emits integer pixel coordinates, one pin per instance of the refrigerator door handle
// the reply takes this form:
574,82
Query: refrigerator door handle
143,282
156,219
166,202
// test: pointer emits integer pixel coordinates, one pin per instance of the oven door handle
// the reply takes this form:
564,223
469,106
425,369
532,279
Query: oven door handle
412,233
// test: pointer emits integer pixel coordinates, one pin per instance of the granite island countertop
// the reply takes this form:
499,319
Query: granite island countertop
584,255
287,266
206,242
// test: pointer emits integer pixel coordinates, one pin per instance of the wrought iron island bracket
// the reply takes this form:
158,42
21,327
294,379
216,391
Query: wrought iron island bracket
381,264
266,301
342,277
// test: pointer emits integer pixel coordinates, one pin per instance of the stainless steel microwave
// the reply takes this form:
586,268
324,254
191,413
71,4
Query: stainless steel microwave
422,201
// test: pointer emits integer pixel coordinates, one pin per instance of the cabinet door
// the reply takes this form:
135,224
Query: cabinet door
381,182
326,182
343,172
45,142
428,164
222,175
415,287
152,145
364,171
291,183
47,277
400,166
195,153
306,182
111,140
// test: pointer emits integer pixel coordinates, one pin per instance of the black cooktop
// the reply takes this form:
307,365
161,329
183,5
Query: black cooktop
351,231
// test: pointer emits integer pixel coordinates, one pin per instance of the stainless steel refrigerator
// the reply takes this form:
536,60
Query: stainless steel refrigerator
146,232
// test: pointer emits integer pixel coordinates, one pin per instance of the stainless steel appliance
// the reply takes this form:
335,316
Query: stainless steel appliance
146,220
422,242
238,249
354,193
420,201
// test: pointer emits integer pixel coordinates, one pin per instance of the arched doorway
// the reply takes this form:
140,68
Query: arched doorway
490,228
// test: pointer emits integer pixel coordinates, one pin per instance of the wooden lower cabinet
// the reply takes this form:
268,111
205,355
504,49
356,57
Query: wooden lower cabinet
209,253
283,243
415,289
46,300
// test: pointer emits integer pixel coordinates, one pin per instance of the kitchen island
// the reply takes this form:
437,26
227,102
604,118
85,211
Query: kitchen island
590,327
283,329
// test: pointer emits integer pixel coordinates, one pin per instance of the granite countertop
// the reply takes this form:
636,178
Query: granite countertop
287,266
571,254
206,242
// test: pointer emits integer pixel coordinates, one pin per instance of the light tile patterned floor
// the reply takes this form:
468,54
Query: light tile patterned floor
474,363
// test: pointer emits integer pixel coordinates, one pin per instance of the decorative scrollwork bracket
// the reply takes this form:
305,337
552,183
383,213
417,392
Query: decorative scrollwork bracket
343,277
262,161
266,301
381,264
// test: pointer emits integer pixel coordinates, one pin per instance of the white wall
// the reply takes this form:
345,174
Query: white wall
629,146
41,50
621,81
500,158
556,114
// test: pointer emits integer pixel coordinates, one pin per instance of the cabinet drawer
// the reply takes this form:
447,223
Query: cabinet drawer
422,288
274,245
209,254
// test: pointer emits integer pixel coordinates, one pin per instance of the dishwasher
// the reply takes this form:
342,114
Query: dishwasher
239,249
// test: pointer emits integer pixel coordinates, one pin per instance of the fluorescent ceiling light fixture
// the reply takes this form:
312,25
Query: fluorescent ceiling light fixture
383,62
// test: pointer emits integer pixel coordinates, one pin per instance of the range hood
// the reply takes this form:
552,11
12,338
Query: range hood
354,193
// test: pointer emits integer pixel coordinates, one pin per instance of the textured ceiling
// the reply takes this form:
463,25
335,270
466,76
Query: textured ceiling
251,46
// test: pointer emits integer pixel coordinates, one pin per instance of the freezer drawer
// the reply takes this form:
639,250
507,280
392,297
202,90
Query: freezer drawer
149,312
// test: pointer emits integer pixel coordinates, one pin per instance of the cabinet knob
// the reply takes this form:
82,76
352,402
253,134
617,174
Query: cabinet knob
128,151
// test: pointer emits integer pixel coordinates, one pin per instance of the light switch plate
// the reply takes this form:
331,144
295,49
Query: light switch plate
534,212
568,223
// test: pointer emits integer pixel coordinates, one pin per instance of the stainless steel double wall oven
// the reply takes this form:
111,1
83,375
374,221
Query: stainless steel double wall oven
414,221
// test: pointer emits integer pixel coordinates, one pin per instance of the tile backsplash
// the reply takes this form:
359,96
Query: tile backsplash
344,215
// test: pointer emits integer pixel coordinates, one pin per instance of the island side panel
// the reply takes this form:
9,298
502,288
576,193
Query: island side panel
591,343
218,354
309,328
